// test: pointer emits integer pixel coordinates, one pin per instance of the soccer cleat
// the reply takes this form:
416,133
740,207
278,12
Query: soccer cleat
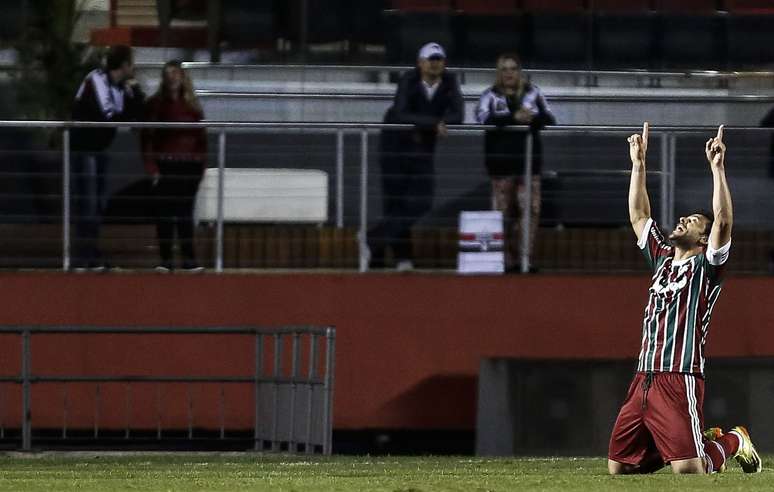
746,456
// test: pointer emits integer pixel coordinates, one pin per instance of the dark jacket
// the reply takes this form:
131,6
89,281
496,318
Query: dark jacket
412,106
505,149
100,100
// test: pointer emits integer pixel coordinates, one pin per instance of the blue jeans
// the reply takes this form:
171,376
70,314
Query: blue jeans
88,204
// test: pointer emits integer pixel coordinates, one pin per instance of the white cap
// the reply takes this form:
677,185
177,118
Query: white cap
431,49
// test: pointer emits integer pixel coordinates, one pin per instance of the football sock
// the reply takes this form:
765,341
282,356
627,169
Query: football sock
719,450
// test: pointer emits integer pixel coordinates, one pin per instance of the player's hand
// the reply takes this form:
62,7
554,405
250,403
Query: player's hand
638,145
441,129
715,149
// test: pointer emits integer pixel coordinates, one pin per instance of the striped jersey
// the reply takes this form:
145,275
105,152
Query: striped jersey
680,301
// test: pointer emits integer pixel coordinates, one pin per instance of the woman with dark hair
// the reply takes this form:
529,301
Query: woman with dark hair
175,158
513,100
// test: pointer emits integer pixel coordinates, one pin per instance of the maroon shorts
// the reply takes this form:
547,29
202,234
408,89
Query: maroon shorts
662,416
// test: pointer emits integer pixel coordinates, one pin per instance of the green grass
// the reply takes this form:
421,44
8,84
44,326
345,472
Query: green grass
229,472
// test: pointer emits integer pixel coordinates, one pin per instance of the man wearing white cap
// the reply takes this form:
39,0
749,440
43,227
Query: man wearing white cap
429,98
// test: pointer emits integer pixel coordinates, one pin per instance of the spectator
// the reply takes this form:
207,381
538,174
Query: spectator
429,98
513,100
175,159
106,94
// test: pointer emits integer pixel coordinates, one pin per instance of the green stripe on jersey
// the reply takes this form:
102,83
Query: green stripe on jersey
690,324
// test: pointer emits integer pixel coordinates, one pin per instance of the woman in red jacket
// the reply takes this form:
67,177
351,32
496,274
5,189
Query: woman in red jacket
175,158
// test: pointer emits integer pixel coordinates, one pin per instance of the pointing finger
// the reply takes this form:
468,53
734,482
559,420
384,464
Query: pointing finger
645,133
720,132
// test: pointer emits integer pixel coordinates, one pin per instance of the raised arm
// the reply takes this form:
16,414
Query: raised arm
722,208
639,204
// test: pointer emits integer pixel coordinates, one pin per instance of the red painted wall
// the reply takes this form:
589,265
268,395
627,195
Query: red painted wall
408,346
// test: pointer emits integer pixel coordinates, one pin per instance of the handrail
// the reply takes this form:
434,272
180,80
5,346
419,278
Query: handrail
60,124
158,330
712,74
377,96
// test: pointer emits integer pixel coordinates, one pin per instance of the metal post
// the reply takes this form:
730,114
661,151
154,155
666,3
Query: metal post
221,178
330,361
363,233
664,179
672,178
158,412
275,392
128,403
313,349
65,405
293,388
526,210
190,410
222,411
96,411
258,445
26,390
339,178
66,199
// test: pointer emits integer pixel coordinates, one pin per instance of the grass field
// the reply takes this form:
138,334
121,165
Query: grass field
232,471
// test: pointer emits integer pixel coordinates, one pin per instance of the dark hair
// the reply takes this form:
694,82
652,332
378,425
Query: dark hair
117,56
710,218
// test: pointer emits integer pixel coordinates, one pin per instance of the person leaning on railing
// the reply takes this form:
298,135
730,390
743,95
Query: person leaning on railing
175,158
429,98
513,100
106,94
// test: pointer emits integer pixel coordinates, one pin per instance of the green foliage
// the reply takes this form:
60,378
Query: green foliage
50,65
237,471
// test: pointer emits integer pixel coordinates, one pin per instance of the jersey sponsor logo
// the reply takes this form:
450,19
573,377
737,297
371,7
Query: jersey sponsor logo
663,286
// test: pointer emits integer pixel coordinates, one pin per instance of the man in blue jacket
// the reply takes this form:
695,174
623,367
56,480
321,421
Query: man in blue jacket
429,98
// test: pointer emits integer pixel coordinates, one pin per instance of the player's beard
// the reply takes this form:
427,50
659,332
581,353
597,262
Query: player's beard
682,241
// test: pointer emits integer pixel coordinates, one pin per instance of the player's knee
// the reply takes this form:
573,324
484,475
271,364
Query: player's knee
616,468
694,466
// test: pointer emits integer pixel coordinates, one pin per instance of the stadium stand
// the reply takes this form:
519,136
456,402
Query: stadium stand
577,34
484,29
624,34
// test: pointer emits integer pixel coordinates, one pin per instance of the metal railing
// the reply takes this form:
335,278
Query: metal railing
666,135
588,76
300,404
592,98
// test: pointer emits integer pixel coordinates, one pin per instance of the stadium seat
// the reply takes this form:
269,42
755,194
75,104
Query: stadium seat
749,40
486,29
624,34
750,6
326,20
366,21
10,22
247,23
559,34
415,6
686,6
412,23
691,35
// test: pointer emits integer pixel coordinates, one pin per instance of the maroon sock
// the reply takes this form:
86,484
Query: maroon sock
730,443
715,456
719,450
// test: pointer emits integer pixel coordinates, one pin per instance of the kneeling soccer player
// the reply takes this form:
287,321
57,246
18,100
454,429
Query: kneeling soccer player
661,420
